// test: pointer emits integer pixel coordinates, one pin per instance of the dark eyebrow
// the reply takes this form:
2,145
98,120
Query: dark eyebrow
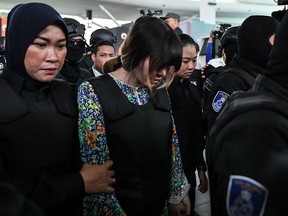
46,39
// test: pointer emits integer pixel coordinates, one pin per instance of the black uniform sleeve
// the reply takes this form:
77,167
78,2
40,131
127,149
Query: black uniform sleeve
200,161
223,86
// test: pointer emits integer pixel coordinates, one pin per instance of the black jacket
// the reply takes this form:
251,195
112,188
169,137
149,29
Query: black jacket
249,132
74,74
187,114
240,76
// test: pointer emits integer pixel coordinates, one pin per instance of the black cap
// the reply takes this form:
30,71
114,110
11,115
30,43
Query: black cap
229,35
74,27
171,15
102,35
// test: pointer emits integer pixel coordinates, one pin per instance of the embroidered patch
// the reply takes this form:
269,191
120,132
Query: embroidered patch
245,196
219,100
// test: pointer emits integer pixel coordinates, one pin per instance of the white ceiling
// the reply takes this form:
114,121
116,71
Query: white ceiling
228,11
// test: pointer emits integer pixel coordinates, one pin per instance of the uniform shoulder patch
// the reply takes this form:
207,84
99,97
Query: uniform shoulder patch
219,100
245,196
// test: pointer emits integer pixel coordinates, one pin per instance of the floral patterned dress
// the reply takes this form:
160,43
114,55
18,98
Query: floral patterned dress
94,149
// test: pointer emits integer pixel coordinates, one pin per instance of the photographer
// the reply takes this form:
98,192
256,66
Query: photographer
213,41
173,20
229,47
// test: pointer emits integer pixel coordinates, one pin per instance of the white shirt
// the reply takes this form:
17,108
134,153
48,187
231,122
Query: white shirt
96,72
216,62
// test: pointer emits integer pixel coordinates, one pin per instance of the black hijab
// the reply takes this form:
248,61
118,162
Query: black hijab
25,22
278,63
253,39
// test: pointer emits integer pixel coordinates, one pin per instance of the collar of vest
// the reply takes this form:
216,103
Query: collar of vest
12,107
110,94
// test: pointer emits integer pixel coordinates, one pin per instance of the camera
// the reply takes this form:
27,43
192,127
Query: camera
150,13
221,28
282,2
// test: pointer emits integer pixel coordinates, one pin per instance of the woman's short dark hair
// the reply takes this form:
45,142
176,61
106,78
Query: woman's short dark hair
151,37
187,39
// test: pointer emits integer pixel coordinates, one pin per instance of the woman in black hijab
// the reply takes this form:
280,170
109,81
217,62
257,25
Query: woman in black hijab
39,147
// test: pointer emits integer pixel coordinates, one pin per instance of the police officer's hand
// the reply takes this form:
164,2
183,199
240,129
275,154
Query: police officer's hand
203,186
203,75
98,178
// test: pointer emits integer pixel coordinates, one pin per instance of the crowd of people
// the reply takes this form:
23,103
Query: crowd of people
96,130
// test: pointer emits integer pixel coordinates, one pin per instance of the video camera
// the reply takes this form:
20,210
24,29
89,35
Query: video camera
282,2
221,28
278,15
150,13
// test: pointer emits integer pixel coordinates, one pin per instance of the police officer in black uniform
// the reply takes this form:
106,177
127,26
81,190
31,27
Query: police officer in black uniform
105,37
186,108
228,47
248,136
71,70
39,144
102,43
254,44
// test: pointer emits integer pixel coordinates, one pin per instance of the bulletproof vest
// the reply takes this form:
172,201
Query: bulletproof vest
247,78
239,103
40,137
139,141
211,76
222,71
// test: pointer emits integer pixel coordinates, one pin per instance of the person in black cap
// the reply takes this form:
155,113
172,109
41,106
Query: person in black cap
97,36
102,42
76,47
228,45
248,138
255,39
39,141
173,20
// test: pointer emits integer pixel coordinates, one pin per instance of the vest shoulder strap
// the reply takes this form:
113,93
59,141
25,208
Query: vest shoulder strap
12,107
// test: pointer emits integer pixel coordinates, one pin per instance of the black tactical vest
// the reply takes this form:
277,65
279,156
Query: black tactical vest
139,141
28,145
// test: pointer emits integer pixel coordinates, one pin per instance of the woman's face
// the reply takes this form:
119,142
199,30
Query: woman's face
153,78
189,61
46,54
